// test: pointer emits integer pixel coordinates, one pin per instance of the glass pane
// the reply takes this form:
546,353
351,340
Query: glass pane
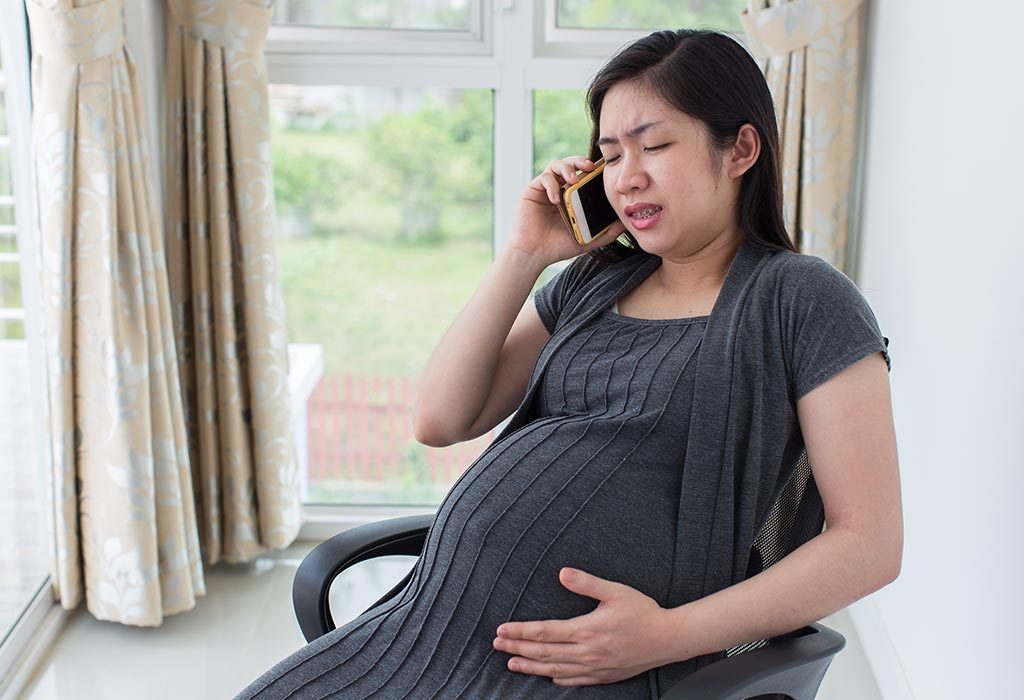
451,15
10,285
650,14
561,126
384,201
5,168
10,330
25,548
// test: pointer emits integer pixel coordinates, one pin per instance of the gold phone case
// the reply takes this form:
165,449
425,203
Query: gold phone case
568,212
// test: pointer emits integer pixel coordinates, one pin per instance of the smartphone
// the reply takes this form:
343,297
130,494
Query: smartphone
585,208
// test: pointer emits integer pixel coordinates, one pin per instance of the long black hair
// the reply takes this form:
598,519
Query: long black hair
710,77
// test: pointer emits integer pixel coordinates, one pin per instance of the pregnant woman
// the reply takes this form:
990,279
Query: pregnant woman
662,386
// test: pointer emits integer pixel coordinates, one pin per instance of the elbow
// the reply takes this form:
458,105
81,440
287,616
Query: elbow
895,558
895,567
889,566
875,555
428,433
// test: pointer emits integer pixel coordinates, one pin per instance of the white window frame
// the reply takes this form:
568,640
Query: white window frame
555,41
559,41
476,40
42,619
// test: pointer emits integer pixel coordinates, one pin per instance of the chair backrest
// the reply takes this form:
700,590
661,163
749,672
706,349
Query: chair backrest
796,517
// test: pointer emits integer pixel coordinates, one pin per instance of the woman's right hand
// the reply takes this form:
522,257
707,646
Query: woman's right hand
539,229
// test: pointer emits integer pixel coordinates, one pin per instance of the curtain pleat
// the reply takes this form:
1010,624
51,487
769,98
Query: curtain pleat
809,51
228,309
125,524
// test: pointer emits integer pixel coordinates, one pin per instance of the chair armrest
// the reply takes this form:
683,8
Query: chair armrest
318,570
793,664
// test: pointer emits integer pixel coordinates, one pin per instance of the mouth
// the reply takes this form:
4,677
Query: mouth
641,210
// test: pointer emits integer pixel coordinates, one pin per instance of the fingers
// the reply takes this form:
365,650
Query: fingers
538,651
551,670
567,167
562,171
552,186
543,631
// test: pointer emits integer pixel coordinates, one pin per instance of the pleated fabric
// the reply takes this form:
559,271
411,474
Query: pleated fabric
124,523
591,482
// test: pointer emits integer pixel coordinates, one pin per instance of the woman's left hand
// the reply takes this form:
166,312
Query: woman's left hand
627,634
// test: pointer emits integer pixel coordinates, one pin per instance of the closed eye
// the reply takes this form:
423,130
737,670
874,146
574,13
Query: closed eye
610,160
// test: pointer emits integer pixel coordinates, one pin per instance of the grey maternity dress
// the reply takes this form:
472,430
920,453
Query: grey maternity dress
586,475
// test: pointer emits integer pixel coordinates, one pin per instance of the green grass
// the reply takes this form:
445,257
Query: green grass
369,285
377,307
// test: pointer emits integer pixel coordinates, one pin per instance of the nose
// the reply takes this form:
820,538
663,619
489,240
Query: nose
631,175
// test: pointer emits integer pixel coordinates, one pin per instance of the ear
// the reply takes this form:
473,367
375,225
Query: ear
744,153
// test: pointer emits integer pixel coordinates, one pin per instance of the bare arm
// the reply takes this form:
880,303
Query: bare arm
479,371
851,442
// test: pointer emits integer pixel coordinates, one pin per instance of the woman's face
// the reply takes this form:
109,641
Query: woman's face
659,176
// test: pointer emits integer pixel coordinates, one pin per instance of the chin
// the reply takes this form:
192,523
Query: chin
648,244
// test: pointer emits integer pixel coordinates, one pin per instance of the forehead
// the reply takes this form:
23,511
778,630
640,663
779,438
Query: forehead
628,105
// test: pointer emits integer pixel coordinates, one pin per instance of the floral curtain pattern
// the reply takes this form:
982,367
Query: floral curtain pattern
227,304
125,523
809,51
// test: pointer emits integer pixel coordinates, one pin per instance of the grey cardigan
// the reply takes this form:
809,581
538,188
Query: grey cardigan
783,323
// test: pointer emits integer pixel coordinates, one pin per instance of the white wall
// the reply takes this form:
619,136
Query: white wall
942,263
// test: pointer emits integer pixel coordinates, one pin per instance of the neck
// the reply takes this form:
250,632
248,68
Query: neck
705,268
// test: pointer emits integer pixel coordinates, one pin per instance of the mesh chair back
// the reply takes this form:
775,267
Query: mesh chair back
796,517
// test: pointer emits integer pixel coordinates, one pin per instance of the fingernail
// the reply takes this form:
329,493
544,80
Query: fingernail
570,574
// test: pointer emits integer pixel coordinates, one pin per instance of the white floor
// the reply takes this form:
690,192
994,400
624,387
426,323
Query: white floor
245,624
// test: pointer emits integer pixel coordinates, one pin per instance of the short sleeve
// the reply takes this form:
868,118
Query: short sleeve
830,326
551,298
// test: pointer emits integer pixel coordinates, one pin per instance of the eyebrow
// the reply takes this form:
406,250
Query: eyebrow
632,133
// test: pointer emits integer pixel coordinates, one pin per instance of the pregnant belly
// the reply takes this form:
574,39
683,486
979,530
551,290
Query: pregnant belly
553,495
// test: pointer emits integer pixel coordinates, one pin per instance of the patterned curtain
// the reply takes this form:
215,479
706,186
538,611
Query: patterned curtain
228,309
125,523
810,53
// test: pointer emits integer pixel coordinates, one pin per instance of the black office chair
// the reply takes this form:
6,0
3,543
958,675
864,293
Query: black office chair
787,667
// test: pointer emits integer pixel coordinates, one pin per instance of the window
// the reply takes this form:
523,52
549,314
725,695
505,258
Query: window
557,131
598,27
451,15
25,549
403,134
601,14
384,199
421,27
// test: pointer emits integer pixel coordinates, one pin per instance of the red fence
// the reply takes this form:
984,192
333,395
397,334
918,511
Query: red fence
360,428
